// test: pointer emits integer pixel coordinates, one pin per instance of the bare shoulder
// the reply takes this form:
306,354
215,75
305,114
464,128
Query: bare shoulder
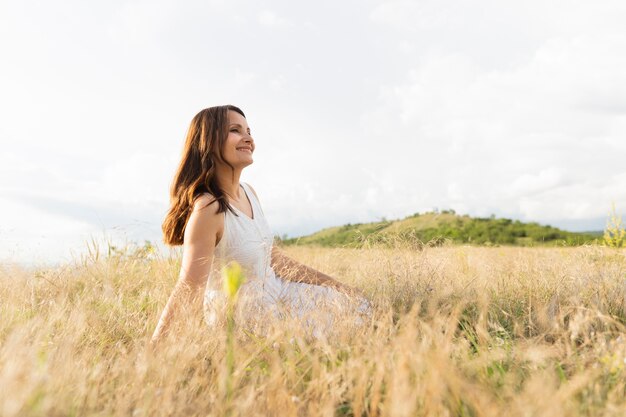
205,223
206,201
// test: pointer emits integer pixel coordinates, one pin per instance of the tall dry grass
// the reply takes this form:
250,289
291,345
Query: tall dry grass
456,331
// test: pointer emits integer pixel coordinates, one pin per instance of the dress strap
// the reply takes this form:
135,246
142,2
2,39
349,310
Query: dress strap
256,205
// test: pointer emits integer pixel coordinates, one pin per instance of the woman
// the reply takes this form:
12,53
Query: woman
217,220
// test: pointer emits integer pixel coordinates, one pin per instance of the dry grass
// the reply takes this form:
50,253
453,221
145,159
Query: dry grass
457,331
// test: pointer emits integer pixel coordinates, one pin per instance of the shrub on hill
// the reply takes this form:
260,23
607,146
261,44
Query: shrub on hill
445,226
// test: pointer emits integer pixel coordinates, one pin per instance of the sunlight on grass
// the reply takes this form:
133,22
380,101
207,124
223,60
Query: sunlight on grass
456,330
614,233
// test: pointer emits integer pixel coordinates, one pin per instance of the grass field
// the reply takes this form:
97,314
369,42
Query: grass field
456,331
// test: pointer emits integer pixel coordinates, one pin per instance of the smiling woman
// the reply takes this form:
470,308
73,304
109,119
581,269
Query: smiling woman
218,220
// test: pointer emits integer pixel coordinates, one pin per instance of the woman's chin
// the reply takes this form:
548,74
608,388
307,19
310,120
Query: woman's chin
241,163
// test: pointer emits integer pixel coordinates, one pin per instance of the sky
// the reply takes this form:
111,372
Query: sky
359,110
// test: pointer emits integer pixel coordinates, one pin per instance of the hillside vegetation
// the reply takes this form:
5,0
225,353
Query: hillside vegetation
436,228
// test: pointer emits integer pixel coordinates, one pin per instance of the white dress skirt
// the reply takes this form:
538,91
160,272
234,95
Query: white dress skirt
265,297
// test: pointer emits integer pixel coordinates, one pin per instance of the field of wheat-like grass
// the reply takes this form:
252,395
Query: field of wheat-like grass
456,331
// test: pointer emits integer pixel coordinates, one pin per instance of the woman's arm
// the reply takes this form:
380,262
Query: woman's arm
201,233
292,270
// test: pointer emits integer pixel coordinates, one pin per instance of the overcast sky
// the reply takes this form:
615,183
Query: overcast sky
360,109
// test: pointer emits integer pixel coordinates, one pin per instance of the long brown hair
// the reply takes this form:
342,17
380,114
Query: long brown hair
196,173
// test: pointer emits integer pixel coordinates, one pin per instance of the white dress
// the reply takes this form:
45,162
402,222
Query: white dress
265,296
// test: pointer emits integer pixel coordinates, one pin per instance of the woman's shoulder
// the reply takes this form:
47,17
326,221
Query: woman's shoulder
206,201
205,219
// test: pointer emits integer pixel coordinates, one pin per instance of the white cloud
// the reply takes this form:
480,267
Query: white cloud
32,235
382,108
529,184
270,18
413,16
138,179
139,22
515,136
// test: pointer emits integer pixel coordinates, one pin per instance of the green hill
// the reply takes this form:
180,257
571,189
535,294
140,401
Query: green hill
435,228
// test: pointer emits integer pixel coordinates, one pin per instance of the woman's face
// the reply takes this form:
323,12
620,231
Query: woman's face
239,145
